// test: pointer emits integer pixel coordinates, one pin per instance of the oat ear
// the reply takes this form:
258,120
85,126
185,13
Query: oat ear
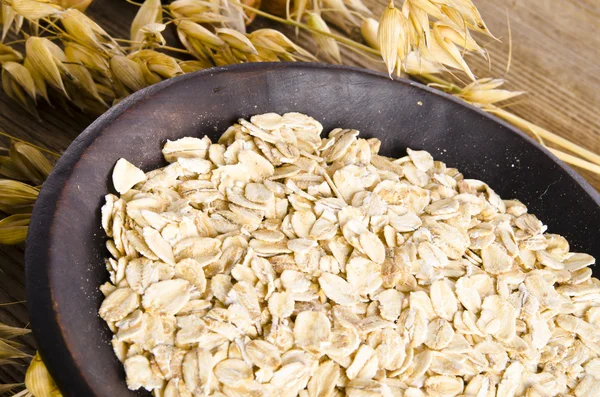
8,54
38,380
34,10
391,36
326,44
149,12
368,30
128,72
42,57
19,85
236,40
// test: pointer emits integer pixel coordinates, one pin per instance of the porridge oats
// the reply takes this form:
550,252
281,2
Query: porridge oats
279,263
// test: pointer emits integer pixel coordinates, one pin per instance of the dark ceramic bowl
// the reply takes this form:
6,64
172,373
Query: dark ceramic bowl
65,248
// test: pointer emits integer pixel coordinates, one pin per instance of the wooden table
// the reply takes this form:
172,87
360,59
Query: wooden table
555,54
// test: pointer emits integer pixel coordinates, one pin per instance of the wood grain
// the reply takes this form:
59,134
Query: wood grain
555,53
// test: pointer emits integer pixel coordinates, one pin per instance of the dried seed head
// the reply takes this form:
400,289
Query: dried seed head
484,92
390,33
461,38
14,91
153,36
149,12
30,161
10,350
92,59
8,15
109,93
276,42
13,230
74,23
9,169
189,9
149,76
41,53
326,44
38,380
40,84
337,13
17,194
199,50
369,29
80,5
236,40
9,54
16,79
249,14
480,97
87,32
418,27
8,332
359,6
193,66
417,64
157,62
233,15
463,12
82,83
35,10
128,72
199,33
448,53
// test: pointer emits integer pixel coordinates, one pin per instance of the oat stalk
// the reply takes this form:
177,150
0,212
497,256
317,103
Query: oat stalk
545,134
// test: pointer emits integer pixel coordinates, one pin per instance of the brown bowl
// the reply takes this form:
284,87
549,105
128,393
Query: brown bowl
65,248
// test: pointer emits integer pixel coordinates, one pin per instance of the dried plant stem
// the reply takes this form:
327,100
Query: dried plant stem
431,79
162,47
568,158
21,41
11,303
174,49
359,52
58,28
545,134
509,60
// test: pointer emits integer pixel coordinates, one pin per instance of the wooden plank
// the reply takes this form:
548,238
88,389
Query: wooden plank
556,46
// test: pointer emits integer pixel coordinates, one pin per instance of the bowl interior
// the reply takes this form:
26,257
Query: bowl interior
65,249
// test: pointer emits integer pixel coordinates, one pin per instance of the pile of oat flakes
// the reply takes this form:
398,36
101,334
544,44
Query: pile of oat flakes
278,263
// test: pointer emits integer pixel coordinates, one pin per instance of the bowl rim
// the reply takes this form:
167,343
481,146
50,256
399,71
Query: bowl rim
44,314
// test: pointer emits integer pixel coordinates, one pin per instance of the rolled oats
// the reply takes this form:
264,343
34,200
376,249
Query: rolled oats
279,263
